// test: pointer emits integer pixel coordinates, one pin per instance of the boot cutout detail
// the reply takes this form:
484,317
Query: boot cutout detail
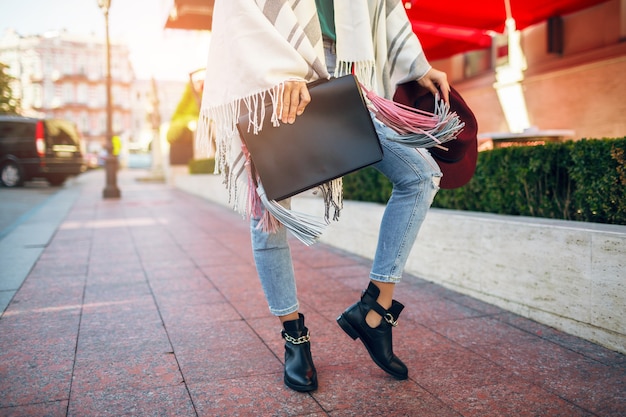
377,340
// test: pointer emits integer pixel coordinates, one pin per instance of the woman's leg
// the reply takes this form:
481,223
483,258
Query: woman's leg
415,178
274,265
272,257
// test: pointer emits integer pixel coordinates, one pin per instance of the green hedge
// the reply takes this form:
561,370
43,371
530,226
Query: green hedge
202,166
583,180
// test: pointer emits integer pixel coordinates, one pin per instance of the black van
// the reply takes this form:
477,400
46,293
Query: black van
38,148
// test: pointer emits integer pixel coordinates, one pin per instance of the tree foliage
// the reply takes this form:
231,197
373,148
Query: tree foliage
9,104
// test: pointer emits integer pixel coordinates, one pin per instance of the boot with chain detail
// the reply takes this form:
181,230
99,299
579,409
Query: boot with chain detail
300,373
377,340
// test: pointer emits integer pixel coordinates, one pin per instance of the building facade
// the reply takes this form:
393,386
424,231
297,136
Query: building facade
61,75
153,103
570,78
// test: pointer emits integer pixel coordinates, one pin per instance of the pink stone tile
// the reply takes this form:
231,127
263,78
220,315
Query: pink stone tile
101,342
230,275
417,339
125,368
215,332
238,362
196,314
48,409
196,296
319,256
35,367
117,401
258,395
571,342
336,273
50,289
177,276
448,368
363,391
40,377
268,330
39,324
59,269
331,304
332,347
228,350
510,398
431,311
253,307
118,273
216,256
481,332
469,302
584,382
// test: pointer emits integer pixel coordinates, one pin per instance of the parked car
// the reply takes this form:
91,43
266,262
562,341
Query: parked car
91,160
38,148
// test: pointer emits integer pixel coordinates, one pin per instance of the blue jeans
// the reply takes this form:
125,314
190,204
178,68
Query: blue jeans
415,178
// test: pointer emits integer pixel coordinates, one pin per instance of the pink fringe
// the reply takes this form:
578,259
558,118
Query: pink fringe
403,119
267,222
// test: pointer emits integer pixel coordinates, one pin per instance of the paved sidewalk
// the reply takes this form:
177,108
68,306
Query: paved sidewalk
150,306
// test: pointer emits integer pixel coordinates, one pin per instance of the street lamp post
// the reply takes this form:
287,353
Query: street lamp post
111,164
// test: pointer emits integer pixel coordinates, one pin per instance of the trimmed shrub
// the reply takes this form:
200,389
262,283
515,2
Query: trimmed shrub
583,180
202,166
180,134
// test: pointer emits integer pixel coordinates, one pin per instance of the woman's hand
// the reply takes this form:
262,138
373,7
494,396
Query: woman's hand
436,81
295,98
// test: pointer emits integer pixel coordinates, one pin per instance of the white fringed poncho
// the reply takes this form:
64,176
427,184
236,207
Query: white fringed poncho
256,45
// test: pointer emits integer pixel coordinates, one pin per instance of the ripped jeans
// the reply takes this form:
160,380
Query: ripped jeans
415,177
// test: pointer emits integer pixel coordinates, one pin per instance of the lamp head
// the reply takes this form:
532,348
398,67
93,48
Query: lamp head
104,5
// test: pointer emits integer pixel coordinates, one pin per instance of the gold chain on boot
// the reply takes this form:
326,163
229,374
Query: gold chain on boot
296,341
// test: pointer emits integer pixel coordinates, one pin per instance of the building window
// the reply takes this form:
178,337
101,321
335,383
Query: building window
37,96
81,66
82,95
84,122
68,93
476,63
102,123
66,60
48,66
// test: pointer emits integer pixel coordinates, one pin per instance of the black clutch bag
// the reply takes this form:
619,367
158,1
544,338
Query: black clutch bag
333,137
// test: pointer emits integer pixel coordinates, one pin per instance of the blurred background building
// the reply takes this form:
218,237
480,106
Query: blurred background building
63,75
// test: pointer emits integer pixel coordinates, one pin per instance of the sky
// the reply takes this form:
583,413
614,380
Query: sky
166,54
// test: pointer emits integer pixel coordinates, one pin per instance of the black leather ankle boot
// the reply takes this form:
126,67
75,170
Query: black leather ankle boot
377,340
300,373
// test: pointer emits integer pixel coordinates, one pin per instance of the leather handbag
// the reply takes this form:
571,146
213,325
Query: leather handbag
333,137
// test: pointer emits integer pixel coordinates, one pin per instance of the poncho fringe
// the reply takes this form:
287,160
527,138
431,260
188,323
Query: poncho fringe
248,65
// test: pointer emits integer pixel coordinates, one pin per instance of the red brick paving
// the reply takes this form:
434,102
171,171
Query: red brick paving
150,306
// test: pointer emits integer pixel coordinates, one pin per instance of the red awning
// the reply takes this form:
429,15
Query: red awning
445,27
190,15
448,27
